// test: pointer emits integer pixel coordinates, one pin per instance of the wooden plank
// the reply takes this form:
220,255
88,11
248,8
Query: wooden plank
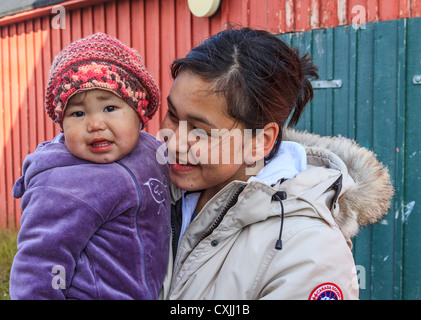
138,26
384,145
183,27
329,13
98,18
389,10
302,41
14,114
258,14
372,10
23,147
87,21
168,36
76,25
302,14
404,9
341,57
123,20
200,30
39,81
47,60
322,104
7,156
412,192
153,51
3,187
111,18
415,8
66,33
276,16
363,135
31,62
399,156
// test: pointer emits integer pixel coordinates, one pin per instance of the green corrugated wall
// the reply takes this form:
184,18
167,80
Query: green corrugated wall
379,106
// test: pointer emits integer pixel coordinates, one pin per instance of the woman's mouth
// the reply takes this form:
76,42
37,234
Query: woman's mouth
100,146
180,168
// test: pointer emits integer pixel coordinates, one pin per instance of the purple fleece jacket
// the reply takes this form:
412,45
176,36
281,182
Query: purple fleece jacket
92,231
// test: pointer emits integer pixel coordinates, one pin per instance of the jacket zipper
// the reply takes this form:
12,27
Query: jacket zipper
218,220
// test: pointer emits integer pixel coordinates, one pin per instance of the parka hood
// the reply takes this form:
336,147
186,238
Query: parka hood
366,187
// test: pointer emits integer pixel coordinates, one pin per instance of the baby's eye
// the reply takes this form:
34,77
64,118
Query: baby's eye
110,108
78,114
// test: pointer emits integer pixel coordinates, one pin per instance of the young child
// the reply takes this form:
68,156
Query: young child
96,208
282,232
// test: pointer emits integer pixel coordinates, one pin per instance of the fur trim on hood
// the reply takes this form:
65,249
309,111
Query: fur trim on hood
369,198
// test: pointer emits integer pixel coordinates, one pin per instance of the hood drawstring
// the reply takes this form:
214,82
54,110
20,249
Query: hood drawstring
279,196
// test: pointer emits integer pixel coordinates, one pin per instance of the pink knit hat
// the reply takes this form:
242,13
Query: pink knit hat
100,62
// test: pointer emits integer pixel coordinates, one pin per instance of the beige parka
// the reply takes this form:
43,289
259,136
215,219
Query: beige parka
234,255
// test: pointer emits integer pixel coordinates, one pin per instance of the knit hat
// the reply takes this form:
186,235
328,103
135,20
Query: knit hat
100,62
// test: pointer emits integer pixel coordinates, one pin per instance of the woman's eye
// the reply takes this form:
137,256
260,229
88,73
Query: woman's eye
200,132
110,108
78,114
171,114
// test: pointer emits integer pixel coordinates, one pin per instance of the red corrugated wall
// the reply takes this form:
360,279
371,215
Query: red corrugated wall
160,30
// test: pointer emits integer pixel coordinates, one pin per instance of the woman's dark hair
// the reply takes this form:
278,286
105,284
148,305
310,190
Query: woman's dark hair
261,77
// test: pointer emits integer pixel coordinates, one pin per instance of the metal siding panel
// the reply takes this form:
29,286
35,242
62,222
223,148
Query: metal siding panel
411,211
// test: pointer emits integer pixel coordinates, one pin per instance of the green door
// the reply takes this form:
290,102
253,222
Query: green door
369,92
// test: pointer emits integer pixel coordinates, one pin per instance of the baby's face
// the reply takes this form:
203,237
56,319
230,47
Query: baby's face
100,127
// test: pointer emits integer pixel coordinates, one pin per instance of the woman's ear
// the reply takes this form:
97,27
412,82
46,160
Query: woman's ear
270,134
257,147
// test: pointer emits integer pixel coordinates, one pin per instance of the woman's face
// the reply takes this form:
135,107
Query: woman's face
205,145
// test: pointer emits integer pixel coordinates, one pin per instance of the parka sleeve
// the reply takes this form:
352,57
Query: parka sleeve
314,264
55,227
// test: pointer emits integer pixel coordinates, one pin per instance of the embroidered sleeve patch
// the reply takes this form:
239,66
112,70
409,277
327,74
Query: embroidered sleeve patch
326,291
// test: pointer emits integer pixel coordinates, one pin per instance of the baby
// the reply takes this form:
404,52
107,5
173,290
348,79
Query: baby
96,206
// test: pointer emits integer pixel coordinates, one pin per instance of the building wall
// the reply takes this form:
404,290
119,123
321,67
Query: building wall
162,30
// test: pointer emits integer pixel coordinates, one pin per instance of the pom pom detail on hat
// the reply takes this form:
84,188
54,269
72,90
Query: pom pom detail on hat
100,61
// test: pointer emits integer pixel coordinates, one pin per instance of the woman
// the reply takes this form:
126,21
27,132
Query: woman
261,211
